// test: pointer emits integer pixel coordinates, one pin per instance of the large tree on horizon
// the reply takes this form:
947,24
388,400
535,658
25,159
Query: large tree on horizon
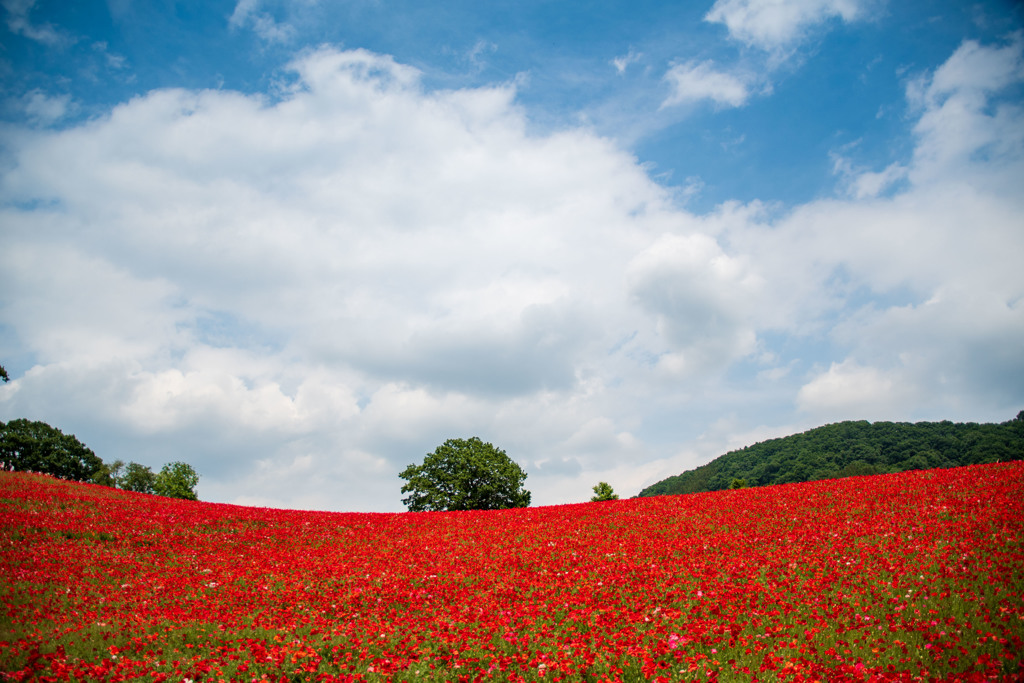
465,474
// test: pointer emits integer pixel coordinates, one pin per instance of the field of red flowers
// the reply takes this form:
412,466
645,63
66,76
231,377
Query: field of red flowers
916,576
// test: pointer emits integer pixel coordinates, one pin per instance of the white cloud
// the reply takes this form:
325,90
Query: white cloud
18,21
962,124
419,249
76,308
246,13
701,298
919,288
961,342
622,63
974,68
44,109
113,61
335,279
478,51
862,183
243,10
692,82
855,392
778,24
867,184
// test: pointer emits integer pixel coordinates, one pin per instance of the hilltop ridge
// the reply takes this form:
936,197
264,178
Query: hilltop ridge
852,448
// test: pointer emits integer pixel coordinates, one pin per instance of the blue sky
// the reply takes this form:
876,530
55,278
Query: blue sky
299,244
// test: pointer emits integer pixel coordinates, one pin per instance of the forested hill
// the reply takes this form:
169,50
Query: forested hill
848,449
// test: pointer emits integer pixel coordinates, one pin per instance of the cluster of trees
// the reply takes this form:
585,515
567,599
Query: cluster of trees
847,449
174,480
470,474
28,446
32,446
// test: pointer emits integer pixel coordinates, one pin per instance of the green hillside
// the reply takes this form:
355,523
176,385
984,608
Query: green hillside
848,449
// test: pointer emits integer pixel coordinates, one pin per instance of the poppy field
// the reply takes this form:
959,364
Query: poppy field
909,577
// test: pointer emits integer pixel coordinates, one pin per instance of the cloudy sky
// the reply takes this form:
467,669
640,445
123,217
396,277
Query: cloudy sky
299,243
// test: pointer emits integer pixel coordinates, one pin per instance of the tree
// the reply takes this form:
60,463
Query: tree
738,483
30,446
465,474
176,480
603,491
108,474
3,374
138,478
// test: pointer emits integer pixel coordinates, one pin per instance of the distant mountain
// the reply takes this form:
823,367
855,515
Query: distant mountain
847,449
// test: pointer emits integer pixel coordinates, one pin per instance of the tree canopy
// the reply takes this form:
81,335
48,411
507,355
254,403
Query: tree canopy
176,480
602,492
109,474
137,478
465,474
31,446
847,449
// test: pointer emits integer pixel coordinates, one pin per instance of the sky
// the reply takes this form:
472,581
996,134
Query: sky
298,244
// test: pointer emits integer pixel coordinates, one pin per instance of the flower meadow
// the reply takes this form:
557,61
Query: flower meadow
909,577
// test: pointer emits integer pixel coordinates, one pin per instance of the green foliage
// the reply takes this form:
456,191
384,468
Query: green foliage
603,491
851,449
108,474
738,483
30,446
176,480
138,478
857,468
465,474
3,374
